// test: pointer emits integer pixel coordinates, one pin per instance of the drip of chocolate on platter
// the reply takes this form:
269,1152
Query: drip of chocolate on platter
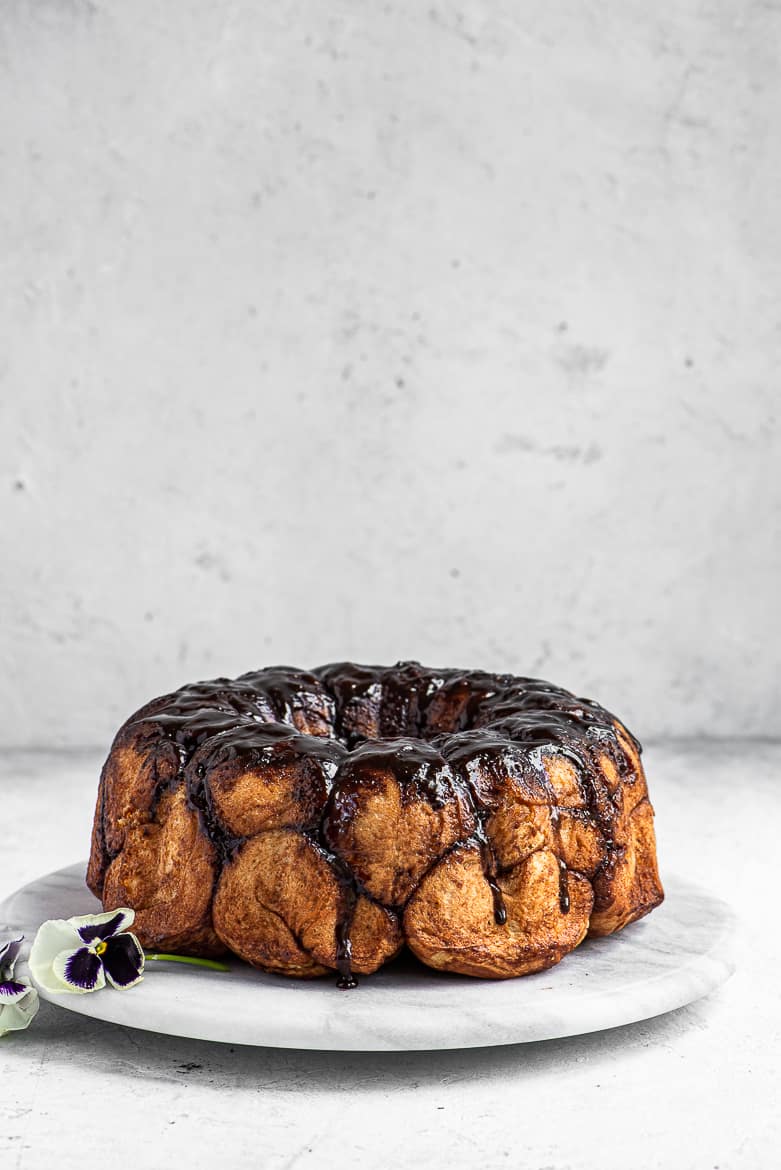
320,821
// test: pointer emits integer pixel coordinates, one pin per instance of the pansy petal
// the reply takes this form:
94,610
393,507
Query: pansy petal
78,971
12,990
9,953
103,926
53,937
16,1016
123,960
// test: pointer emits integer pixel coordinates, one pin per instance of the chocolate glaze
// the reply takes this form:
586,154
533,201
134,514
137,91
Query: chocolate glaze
418,768
563,887
344,946
293,696
488,861
555,820
199,797
260,743
350,890
444,735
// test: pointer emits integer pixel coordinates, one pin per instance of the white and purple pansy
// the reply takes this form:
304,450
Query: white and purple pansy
18,1000
81,954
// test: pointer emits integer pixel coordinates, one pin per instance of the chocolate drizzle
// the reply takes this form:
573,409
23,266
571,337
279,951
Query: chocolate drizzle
199,796
443,735
555,820
344,945
563,887
488,861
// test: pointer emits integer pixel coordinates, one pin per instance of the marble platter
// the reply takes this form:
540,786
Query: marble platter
676,955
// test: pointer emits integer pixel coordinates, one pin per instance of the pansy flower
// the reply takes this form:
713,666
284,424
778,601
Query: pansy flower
80,954
18,1000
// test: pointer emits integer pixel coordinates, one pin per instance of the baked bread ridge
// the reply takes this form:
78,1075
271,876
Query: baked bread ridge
316,821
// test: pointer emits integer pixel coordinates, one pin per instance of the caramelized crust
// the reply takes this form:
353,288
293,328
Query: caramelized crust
316,821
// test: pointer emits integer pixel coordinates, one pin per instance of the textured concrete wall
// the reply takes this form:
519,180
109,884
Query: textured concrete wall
381,330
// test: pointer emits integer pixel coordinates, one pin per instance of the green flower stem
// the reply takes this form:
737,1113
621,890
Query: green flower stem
212,964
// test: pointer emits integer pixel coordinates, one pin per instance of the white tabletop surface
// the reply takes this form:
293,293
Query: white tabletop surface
699,1087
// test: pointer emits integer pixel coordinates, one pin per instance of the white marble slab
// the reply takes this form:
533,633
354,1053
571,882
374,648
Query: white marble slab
676,955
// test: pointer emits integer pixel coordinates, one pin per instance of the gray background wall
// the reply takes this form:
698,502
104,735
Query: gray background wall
390,330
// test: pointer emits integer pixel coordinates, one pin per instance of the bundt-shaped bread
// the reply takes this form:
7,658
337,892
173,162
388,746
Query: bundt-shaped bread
316,822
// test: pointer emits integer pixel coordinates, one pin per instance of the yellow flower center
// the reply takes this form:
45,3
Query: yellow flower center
100,948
